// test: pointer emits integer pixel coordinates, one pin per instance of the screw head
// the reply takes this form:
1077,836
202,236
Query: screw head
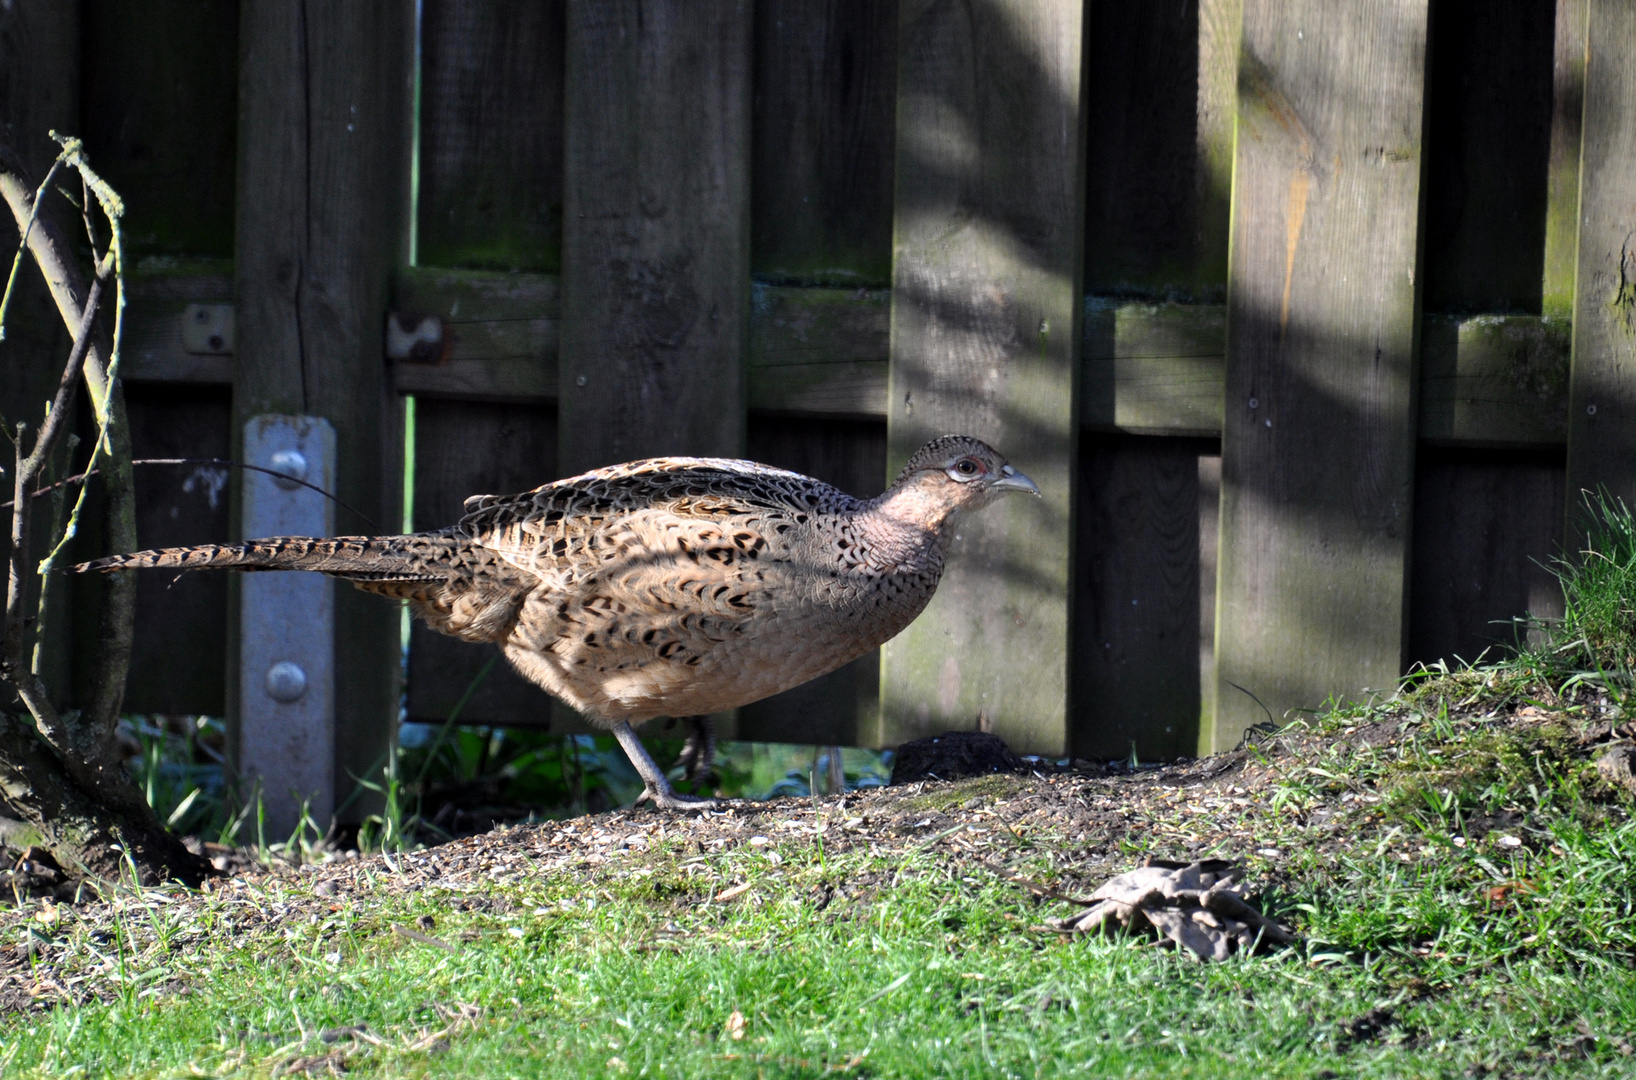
286,681
291,462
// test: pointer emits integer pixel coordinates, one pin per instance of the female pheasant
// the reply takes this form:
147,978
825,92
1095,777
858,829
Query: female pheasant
665,587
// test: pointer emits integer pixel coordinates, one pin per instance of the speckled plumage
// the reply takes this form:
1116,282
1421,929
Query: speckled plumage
666,587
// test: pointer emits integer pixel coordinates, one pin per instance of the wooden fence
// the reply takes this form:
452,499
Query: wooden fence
1309,317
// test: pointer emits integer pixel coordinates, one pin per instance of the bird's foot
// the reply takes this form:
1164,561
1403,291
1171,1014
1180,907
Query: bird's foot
698,757
668,798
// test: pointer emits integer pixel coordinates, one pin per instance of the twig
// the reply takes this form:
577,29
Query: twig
27,471
22,242
224,463
86,753
64,399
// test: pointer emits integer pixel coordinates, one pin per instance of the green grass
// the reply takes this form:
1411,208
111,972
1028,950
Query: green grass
1599,584
1505,950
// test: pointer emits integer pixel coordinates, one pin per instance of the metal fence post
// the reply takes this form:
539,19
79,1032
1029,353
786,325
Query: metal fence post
287,628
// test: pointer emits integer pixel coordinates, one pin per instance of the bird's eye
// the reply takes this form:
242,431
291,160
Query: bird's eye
967,467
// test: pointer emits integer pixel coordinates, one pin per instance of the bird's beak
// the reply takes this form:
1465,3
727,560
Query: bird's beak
1012,480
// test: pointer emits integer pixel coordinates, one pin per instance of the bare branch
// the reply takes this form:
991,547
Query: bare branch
47,242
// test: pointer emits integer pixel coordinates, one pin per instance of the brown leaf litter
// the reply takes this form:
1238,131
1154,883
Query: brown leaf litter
1200,906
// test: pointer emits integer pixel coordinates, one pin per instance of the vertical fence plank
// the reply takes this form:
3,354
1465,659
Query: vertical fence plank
465,448
656,244
39,79
825,75
1602,386
161,104
1141,148
491,135
985,340
1159,162
179,656
1488,141
1487,524
1562,185
161,121
1318,435
39,91
324,97
491,188
1136,616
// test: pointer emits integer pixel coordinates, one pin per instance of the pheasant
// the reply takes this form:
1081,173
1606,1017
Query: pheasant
667,587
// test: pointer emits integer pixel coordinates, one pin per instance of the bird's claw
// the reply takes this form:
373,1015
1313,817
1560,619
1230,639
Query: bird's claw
670,799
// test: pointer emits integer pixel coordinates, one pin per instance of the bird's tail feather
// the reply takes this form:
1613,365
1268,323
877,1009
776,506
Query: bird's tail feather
356,558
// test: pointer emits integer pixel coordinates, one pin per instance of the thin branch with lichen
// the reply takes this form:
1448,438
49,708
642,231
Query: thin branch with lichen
114,260
22,243
84,747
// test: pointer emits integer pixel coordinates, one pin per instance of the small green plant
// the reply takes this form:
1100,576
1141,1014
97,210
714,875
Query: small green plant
1598,627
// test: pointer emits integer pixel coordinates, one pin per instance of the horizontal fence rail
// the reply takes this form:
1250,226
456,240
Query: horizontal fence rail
1495,381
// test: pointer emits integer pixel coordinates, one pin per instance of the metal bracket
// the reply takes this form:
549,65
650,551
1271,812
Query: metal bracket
416,339
287,628
207,329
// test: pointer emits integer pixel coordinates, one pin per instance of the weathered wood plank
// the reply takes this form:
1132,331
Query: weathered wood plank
656,243
795,326
1487,524
1602,391
491,134
1562,183
1149,369
39,92
179,656
841,708
467,448
1136,609
819,351
325,96
1494,380
821,194
1488,140
154,348
986,313
1318,434
1153,369
502,332
1209,549
1159,157
161,119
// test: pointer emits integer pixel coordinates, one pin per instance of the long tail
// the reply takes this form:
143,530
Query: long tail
416,557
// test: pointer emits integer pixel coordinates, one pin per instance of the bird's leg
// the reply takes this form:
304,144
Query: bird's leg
657,787
698,758
837,772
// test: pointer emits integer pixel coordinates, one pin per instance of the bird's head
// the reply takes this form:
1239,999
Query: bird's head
953,474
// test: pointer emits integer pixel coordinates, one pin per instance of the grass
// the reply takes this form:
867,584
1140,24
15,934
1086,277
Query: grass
1473,913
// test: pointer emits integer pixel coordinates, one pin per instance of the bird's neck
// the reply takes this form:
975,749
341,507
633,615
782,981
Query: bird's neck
906,523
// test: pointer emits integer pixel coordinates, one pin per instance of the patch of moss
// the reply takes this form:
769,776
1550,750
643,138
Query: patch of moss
995,786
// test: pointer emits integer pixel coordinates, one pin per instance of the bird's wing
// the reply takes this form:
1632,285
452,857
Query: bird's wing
567,526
